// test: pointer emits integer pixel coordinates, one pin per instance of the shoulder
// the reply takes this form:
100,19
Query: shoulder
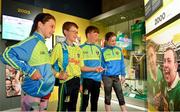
78,48
82,45
116,47
58,46
29,42
98,47
103,49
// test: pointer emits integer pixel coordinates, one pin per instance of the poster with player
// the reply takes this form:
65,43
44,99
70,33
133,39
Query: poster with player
163,68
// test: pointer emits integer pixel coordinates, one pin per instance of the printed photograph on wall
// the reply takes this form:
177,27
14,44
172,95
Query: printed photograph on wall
59,38
163,68
13,79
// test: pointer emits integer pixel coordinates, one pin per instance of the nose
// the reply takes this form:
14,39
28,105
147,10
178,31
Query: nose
165,63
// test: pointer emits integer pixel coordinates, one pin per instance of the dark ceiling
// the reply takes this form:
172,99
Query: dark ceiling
81,8
106,12
123,13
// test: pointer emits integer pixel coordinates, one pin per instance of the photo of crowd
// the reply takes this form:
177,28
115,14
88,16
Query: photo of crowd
13,81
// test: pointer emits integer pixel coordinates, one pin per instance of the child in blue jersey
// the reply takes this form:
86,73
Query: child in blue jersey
31,57
113,61
91,81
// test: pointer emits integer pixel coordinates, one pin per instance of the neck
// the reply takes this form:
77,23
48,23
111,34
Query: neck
89,42
69,42
39,32
171,82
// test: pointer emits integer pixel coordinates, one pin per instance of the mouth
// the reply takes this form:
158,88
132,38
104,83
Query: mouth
166,71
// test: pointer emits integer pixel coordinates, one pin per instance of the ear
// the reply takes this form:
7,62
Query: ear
176,66
40,24
65,32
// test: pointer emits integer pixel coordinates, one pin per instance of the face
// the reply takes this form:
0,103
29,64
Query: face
71,34
152,59
169,67
8,85
112,41
47,29
93,37
16,85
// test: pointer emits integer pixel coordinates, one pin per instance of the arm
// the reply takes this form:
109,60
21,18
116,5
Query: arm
103,64
56,54
56,57
122,65
94,69
88,69
18,56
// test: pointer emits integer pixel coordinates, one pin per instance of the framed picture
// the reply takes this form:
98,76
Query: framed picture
59,38
13,79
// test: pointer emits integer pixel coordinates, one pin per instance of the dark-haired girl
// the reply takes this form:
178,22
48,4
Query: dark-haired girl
113,61
31,57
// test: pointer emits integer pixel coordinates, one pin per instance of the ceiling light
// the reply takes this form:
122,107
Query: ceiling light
122,17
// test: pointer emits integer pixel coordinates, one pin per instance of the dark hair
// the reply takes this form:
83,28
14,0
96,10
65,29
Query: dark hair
41,17
90,29
174,53
67,25
109,35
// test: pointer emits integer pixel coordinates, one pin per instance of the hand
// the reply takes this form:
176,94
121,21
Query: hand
54,71
36,75
63,75
99,69
157,100
81,88
122,79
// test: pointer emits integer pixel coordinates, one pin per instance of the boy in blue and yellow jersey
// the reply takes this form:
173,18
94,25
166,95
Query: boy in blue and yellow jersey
113,61
91,81
69,76
31,57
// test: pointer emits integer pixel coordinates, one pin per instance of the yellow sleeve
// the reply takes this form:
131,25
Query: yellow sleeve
56,54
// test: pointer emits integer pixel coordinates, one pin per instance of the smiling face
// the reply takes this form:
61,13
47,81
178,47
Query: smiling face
93,37
71,34
112,41
8,84
169,67
47,29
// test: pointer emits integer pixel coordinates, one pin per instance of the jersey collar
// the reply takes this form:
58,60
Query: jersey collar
110,46
88,43
39,36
